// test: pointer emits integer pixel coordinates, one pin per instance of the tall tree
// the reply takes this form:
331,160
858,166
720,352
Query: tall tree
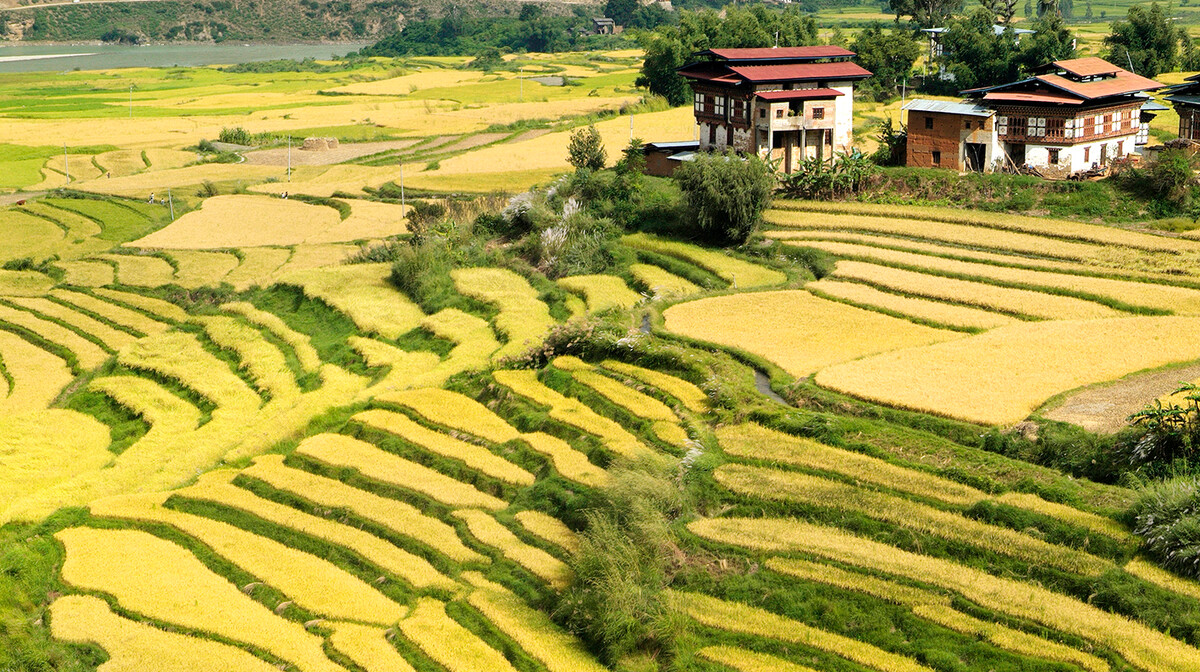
1145,40
665,54
926,13
889,55
1002,10
620,11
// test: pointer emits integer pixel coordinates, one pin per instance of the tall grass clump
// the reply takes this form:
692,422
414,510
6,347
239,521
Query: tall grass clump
618,602
1167,518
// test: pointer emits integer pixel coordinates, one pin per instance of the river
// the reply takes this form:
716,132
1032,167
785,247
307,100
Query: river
60,57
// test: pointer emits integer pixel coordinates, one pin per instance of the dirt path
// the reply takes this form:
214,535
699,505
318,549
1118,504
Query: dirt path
324,157
1103,409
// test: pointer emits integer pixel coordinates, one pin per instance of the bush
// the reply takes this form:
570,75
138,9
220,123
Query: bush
1167,518
236,136
725,195
586,150
816,179
1167,432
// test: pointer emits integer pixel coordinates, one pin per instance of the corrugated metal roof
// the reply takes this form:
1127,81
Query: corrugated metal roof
948,107
681,144
801,71
781,53
1186,100
799,94
1153,106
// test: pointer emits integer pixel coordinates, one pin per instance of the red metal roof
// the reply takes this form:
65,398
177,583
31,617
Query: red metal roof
781,53
799,94
1123,83
1087,67
1017,97
801,71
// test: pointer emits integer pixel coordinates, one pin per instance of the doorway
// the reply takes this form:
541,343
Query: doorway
976,151
1017,154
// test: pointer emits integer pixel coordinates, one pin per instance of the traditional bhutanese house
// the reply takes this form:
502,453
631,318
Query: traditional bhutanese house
1071,116
951,134
1185,98
785,103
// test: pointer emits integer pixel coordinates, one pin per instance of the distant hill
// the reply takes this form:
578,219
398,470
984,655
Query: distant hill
238,20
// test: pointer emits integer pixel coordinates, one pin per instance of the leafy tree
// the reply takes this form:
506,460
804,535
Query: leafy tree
1002,10
889,55
977,56
620,11
649,17
726,194
1052,41
1145,39
665,55
926,13
530,11
586,150
488,58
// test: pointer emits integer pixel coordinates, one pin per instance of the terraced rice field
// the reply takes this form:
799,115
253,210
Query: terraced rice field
223,448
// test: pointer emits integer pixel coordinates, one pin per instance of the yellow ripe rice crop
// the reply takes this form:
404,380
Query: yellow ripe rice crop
163,310
736,272
472,455
198,268
671,432
576,305
396,516
24,283
408,83
158,579
449,644
158,181
132,646
549,528
1152,573
602,292
1142,646
530,628
548,152
309,257
456,411
363,293
406,368
153,402
325,181
1088,521
300,343
78,226
573,412
121,162
978,294
1009,639
744,660
635,402
803,334
541,564
1141,294
791,486
215,487
896,593
924,309
693,398
756,442
258,356
32,458
368,220
1057,228
111,312
37,376
113,339
312,582
28,236
473,337
368,647
483,183
744,619
87,273
243,221
523,317
999,377
179,356
167,159
343,451
78,166
569,462
258,267
88,354
663,283
958,234
141,270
